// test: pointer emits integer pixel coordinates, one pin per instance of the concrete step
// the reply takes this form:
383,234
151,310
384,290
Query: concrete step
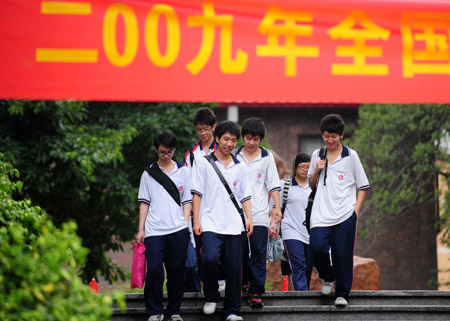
280,306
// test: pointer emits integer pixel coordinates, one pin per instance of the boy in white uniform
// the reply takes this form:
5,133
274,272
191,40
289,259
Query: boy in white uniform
341,188
218,221
163,229
205,123
263,177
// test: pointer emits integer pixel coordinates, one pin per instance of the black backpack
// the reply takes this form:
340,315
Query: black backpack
308,209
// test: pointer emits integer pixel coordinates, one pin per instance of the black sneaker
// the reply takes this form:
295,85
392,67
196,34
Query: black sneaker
255,301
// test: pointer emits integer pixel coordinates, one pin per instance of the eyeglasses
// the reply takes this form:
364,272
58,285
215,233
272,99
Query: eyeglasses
166,153
303,167
204,129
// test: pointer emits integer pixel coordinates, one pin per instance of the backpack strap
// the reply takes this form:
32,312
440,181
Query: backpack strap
191,157
323,156
287,184
166,182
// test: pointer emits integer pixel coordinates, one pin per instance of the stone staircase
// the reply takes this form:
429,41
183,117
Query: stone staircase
311,306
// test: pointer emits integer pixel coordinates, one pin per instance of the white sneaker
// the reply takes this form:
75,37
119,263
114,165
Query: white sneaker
209,307
156,317
327,287
222,285
340,302
234,317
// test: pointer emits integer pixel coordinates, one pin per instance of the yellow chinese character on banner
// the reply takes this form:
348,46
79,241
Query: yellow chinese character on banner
425,39
366,30
291,29
209,21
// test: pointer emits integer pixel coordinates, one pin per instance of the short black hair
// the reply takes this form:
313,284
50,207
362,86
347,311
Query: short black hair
332,123
227,126
166,139
301,158
253,126
204,116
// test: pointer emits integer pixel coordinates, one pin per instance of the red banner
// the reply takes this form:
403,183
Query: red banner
386,51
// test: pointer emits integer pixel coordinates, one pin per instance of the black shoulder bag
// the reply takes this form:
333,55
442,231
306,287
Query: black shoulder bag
166,182
308,209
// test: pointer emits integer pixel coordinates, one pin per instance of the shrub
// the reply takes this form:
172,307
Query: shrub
39,263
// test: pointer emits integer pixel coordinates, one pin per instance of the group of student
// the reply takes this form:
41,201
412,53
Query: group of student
226,202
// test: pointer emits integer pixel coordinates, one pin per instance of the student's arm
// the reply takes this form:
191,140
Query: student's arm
248,213
276,211
360,196
313,180
143,210
187,208
197,228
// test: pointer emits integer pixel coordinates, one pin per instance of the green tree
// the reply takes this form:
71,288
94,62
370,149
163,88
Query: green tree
404,148
39,263
82,161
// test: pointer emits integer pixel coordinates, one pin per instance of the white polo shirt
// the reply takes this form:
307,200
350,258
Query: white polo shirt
263,177
292,227
164,215
217,212
198,152
335,202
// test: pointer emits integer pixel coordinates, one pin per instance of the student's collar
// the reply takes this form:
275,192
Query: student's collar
345,151
155,164
264,152
212,147
216,159
295,183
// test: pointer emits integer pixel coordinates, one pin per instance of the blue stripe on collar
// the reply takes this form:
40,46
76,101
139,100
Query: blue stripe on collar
345,151
293,181
264,152
155,164
216,159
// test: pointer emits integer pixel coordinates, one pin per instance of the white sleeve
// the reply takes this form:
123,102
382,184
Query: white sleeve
272,178
144,191
186,195
245,190
360,175
198,177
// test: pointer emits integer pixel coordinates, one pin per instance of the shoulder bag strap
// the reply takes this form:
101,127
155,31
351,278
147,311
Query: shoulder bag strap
166,182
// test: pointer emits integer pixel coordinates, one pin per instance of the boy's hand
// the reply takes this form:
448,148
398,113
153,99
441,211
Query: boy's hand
249,227
140,237
320,165
273,230
276,214
197,229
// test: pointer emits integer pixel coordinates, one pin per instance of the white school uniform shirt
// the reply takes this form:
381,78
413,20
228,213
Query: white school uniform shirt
292,227
263,177
335,202
217,212
164,215
198,152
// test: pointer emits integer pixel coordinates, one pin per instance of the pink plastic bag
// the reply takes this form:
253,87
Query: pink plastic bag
138,267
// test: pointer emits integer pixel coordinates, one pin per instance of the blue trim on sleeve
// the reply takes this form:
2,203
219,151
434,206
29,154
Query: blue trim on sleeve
196,192
143,200
364,187
186,202
245,199
275,189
